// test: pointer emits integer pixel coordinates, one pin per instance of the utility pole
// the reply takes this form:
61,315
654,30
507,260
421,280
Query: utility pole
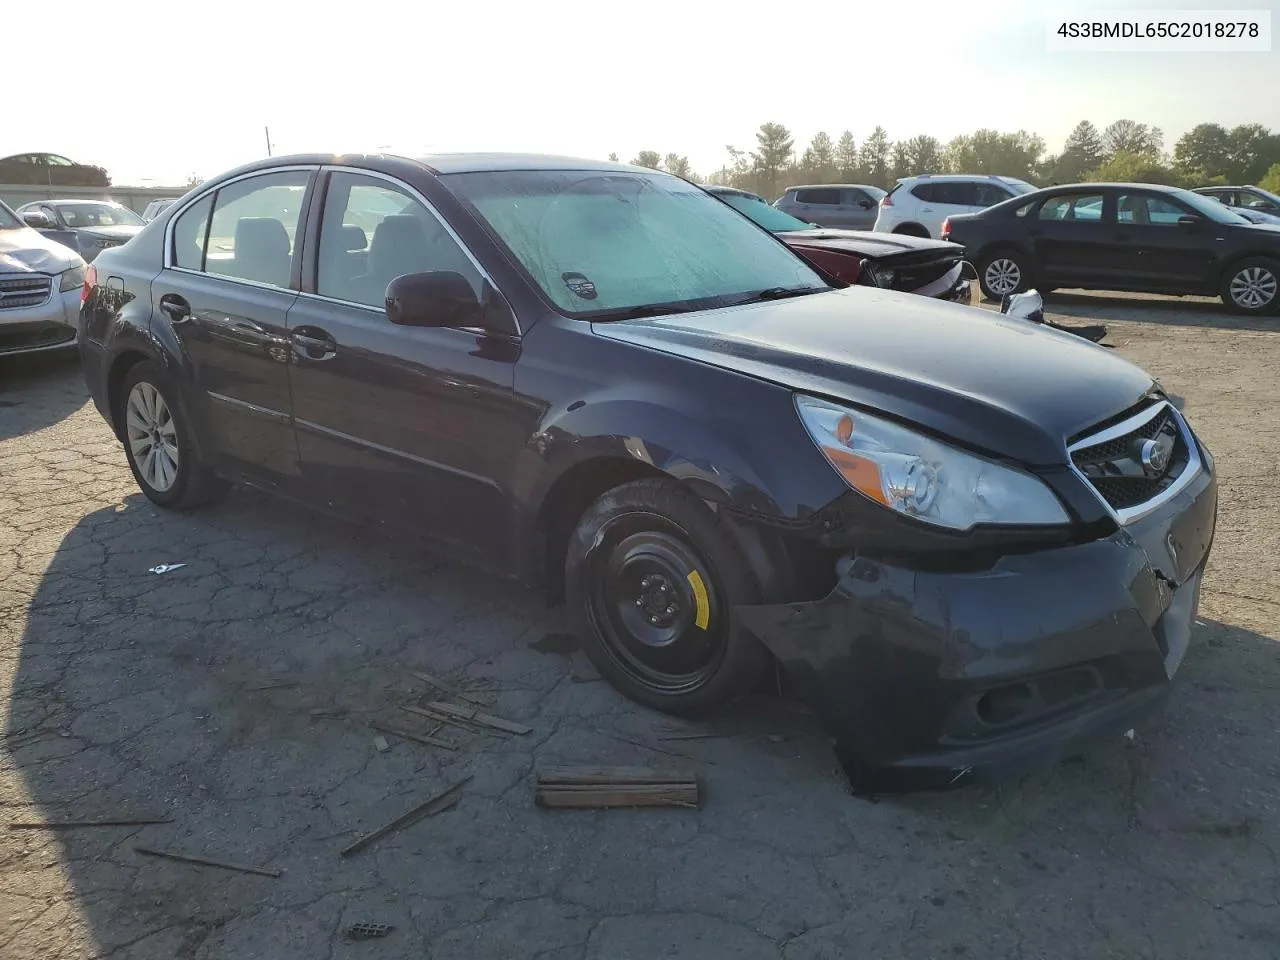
267,131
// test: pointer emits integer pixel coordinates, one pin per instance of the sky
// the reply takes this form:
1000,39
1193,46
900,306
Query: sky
157,91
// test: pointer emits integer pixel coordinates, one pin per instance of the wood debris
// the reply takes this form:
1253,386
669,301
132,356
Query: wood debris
475,716
206,861
446,688
271,685
425,738
451,721
68,824
569,787
380,744
442,801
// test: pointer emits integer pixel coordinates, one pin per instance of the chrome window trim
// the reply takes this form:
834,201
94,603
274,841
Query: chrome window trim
167,259
1126,426
417,195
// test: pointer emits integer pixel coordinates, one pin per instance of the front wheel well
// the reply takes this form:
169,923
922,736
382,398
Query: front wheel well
120,368
1239,258
567,500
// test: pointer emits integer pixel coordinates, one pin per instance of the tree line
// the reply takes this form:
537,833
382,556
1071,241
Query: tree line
1124,151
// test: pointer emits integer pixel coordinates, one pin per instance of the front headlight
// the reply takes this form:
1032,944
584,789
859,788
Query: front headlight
922,478
72,279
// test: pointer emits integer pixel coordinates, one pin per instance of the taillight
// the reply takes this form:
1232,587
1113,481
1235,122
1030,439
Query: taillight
886,201
90,281
946,229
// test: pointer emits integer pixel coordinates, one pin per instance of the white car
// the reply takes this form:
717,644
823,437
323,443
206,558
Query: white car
40,284
917,206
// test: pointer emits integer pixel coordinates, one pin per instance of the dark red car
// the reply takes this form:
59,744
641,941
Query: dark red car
931,268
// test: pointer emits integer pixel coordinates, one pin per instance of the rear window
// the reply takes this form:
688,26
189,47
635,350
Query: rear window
822,196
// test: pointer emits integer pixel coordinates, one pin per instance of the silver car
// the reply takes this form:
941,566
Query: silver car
850,205
86,226
40,283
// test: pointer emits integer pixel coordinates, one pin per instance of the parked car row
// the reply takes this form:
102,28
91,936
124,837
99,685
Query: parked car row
606,381
1117,236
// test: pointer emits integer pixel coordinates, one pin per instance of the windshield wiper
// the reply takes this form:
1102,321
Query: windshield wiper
776,293
635,313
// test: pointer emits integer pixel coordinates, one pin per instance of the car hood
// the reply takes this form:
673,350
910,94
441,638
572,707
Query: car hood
122,232
866,243
1009,388
24,250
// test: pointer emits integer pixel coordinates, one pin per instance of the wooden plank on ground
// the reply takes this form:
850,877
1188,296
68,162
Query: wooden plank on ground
596,787
442,801
475,716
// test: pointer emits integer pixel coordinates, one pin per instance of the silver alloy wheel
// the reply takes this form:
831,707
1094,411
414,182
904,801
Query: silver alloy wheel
1002,276
153,436
1253,287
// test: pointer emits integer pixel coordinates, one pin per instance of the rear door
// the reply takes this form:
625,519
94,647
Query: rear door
820,205
402,426
942,199
1072,241
1163,253
230,276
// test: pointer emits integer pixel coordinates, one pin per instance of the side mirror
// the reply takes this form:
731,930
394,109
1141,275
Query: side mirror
37,220
439,299
1024,306
1188,221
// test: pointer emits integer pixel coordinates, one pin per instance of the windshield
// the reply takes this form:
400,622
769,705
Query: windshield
1210,208
8,219
771,218
599,243
77,215
1253,201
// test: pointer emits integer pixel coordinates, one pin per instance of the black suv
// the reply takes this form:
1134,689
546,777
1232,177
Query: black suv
601,379
1122,236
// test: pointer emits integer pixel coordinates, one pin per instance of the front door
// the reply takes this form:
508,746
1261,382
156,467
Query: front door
403,426
860,209
1165,253
228,282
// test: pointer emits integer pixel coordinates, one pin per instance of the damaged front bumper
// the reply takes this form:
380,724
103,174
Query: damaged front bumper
931,679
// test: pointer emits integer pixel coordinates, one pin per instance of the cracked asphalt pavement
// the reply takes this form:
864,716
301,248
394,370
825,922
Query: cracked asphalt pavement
234,696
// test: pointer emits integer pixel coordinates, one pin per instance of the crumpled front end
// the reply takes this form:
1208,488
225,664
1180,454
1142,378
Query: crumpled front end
930,679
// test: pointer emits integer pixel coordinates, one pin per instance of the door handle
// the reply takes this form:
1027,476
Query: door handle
175,308
312,343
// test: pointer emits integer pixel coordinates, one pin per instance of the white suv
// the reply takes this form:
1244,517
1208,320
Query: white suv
917,205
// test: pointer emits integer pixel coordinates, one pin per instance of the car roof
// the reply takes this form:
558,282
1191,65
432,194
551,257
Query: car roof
63,201
833,186
446,163
960,176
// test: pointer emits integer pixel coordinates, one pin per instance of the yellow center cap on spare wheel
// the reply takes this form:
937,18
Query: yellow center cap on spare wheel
702,608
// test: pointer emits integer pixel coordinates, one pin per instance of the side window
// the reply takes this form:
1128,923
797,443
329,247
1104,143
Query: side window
252,230
1073,206
49,212
964,194
825,197
1145,209
189,232
926,192
989,194
373,231
856,197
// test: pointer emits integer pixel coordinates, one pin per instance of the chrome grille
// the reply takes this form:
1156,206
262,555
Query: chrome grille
25,291
1140,462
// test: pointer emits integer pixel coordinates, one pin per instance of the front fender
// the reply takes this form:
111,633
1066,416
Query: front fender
759,463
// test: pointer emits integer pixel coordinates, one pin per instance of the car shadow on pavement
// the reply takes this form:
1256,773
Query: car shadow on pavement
41,387
234,696
1172,312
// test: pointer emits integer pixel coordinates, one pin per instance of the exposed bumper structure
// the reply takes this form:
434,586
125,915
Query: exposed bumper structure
928,680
